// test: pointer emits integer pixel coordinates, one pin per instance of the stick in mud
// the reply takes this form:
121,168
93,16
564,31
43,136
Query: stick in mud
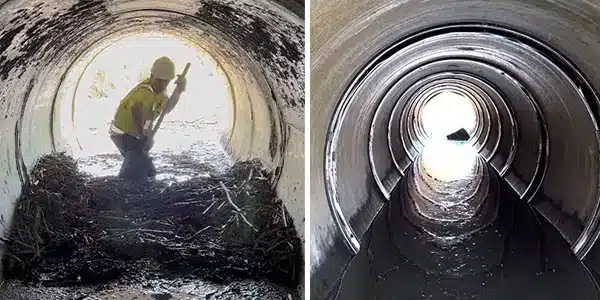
69,225
283,214
237,209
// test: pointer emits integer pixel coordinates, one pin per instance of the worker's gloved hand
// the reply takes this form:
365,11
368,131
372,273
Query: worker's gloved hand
181,83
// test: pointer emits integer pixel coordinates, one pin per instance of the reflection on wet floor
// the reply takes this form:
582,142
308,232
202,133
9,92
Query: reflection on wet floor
153,290
518,256
199,145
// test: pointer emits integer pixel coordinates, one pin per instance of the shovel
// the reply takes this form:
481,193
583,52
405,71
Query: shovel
138,165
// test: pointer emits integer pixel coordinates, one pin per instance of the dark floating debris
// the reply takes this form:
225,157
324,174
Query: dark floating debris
459,135
70,228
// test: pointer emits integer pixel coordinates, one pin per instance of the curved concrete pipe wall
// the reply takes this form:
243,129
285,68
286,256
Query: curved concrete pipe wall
363,29
259,44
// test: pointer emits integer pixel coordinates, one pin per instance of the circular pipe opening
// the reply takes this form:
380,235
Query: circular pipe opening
446,113
243,103
510,126
197,130
446,124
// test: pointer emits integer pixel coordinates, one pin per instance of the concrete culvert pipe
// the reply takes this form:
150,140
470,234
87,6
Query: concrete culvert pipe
46,48
398,211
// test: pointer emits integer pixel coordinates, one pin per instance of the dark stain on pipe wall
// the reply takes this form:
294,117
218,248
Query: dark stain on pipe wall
47,35
257,38
263,41
21,168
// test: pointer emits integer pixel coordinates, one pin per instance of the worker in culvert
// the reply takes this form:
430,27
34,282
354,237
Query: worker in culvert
136,113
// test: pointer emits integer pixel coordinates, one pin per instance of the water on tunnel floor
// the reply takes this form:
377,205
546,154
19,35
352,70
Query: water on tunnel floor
518,256
190,157
153,290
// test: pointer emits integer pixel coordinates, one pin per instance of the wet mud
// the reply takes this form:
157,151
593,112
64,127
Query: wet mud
153,290
72,229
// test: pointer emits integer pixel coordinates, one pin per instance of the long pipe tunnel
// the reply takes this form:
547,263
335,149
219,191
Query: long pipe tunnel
399,210
258,45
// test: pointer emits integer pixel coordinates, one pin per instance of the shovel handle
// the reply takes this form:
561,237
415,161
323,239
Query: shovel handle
186,69
162,114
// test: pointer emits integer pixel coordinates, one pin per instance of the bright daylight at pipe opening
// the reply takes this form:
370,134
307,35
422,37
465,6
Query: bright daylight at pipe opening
198,128
444,114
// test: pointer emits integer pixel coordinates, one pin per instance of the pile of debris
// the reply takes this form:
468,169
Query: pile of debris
71,228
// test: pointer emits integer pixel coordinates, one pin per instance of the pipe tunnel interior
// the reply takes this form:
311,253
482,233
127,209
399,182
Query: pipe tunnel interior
397,211
258,45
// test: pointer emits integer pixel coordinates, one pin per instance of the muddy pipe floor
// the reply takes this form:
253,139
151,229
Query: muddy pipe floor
154,290
221,236
532,261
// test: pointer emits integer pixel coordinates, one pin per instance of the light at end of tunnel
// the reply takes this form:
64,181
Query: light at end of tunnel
193,131
204,110
446,113
448,161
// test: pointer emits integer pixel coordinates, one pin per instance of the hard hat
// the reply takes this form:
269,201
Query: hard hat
163,68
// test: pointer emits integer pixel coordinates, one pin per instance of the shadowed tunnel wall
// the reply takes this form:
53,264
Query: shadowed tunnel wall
259,45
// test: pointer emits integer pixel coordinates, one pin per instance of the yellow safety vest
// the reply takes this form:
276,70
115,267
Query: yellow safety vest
152,106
